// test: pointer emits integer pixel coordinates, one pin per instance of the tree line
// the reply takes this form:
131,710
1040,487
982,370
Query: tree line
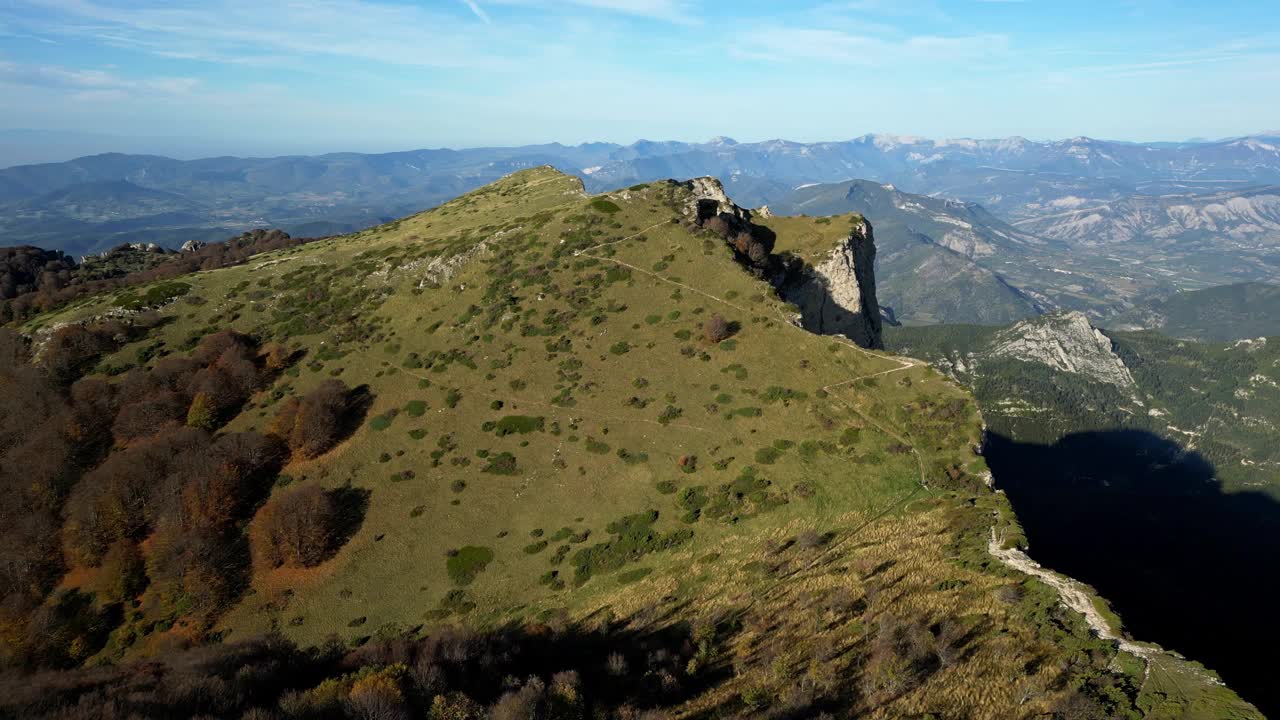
33,281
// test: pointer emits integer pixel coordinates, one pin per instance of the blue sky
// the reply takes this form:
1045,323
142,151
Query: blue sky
276,76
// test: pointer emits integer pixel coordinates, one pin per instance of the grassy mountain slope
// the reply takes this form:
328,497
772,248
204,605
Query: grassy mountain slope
552,441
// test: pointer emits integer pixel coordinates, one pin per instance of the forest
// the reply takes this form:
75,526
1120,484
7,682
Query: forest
126,507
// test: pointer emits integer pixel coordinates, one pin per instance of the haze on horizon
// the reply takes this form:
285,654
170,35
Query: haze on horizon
191,79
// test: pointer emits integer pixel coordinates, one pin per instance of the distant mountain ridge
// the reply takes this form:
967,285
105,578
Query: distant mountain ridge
1249,216
927,250
1016,179
1229,312
1192,242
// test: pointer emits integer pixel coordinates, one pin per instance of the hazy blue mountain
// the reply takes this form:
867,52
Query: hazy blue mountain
1227,312
1017,179
926,252
1210,240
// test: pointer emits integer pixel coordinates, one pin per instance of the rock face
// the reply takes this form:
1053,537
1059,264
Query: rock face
835,297
838,295
708,200
1065,342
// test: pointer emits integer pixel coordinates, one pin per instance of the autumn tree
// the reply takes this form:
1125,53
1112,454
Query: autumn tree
315,423
73,348
123,573
295,529
716,328
717,225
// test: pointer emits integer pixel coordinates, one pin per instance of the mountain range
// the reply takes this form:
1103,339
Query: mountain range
1014,178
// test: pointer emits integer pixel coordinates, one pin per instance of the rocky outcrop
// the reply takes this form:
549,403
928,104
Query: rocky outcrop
1065,342
192,245
838,295
708,200
835,297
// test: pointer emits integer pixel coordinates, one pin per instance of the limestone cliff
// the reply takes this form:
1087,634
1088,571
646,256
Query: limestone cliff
837,296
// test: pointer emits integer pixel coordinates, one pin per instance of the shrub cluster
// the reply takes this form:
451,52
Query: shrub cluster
514,673
316,422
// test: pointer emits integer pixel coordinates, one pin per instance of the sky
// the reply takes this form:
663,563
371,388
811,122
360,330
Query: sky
268,77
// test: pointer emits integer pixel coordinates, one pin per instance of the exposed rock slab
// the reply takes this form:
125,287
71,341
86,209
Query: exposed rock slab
1065,342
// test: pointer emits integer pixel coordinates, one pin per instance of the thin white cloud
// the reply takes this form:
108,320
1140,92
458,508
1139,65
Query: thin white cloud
680,12
924,9
280,30
836,46
479,11
93,84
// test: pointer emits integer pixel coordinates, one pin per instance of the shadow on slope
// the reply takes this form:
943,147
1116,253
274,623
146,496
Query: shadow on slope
1145,522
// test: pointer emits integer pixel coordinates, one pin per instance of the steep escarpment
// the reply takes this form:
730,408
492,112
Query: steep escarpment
829,276
838,295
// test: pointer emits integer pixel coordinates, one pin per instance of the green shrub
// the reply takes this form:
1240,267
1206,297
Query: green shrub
518,424
630,576
468,562
693,498
605,206
774,394
501,464
153,296
631,458
669,413
633,537
416,408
